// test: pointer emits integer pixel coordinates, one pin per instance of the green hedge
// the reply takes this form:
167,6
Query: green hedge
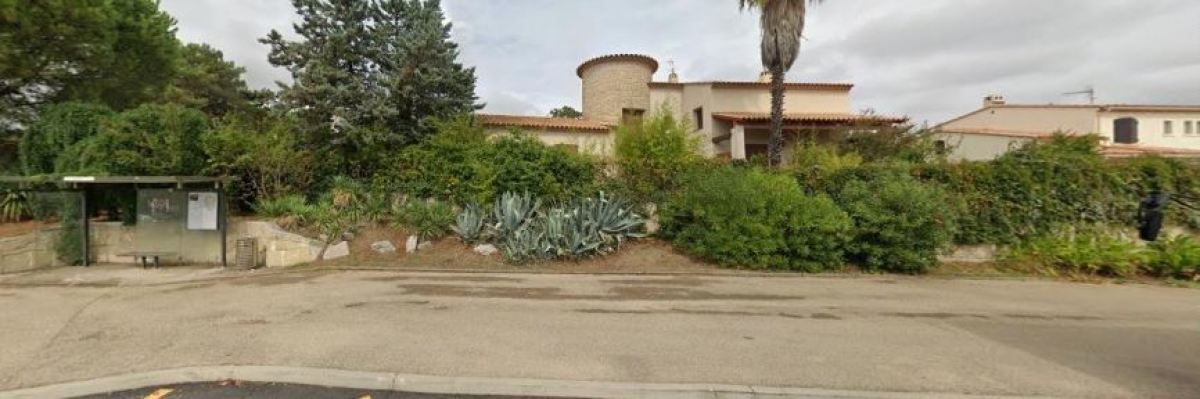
900,224
755,219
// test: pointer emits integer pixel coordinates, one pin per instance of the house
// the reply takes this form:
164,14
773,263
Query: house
731,118
1124,130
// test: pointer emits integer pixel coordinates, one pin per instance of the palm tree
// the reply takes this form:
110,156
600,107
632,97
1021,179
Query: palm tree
782,26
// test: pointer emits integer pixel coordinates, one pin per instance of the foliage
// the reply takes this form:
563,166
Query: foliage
152,140
119,53
204,80
581,228
14,206
430,220
59,127
1089,250
461,165
1177,257
900,224
285,206
469,224
1036,189
653,155
264,153
812,164
69,246
370,75
565,111
755,219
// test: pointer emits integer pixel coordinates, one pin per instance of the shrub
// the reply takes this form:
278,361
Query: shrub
151,140
651,156
1176,257
265,154
14,206
813,164
900,224
1082,251
289,205
58,127
745,217
462,165
430,220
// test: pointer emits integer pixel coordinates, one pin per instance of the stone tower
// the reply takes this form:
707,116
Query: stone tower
616,84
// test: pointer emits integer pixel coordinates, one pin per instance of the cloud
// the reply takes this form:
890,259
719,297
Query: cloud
930,59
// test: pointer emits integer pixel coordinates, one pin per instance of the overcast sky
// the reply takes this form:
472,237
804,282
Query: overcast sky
929,59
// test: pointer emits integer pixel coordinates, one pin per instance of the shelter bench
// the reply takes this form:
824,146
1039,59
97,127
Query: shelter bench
146,256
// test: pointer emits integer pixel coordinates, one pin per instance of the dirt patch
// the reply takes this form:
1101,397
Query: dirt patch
360,246
23,228
643,256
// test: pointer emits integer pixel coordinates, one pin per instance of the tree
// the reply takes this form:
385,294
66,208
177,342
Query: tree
370,76
782,26
58,128
156,140
119,53
207,82
565,111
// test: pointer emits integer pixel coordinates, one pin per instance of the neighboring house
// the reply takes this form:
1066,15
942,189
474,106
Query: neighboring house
730,118
1124,130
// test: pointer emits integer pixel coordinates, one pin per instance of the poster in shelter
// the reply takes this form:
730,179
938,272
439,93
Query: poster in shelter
202,211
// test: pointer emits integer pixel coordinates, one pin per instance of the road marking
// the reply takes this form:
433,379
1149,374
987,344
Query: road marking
160,393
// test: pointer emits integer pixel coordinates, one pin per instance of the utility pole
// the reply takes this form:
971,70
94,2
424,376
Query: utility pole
1090,91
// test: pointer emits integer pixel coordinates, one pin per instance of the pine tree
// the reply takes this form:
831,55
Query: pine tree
370,76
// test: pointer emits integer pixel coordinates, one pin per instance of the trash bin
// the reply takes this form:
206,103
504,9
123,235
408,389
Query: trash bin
246,253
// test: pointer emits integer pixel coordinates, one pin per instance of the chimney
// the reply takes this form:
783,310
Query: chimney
764,76
993,100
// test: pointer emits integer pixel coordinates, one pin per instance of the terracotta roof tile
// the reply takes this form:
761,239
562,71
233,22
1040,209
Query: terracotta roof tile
648,60
741,117
541,122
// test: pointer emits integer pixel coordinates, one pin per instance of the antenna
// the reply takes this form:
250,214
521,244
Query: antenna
1090,91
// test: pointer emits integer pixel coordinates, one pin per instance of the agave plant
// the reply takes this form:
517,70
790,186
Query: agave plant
14,206
513,211
615,219
469,224
524,245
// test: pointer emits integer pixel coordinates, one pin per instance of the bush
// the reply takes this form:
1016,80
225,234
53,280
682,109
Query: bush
153,140
744,217
1083,251
813,164
653,155
265,154
14,206
289,205
1175,257
429,220
462,165
58,127
900,224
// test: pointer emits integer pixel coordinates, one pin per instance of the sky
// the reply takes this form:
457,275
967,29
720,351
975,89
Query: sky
928,59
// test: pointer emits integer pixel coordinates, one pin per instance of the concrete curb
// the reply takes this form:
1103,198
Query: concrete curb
446,385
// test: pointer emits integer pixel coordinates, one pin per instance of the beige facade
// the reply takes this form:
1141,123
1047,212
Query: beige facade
997,127
619,88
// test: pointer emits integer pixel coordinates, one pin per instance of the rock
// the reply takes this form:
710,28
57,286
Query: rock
486,249
424,245
339,250
383,247
410,246
652,224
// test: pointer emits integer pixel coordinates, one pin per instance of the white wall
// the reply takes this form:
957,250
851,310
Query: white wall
1077,120
1150,128
978,147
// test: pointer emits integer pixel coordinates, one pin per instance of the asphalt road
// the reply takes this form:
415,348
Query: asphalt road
273,391
888,334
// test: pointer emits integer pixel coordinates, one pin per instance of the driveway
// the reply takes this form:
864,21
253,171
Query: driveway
885,334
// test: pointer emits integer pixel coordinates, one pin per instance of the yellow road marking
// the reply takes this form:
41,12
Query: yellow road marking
160,393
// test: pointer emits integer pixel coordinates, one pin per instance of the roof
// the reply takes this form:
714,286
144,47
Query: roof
1098,107
743,117
49,180
1029,134
541,122
760,85
645,59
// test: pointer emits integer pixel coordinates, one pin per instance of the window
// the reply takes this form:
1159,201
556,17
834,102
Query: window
1125,131
939,147
698,116
1168,128
632,116
1187,128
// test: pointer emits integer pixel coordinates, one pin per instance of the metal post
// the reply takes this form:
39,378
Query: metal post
83,225
223,223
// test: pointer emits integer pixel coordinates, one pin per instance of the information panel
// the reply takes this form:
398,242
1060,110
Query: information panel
202,211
